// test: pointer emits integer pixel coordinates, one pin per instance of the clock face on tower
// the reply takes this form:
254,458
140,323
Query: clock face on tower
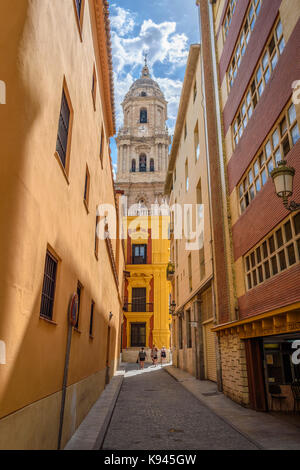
142,130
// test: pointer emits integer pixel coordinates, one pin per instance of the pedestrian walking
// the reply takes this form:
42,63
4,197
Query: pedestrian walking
154,354
163,355
141,358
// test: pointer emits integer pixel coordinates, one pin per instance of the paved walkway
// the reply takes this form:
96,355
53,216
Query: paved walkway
155,412
269,431
168,409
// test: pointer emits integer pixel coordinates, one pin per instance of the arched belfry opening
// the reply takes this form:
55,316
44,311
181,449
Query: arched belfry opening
143,163
143,116
143,140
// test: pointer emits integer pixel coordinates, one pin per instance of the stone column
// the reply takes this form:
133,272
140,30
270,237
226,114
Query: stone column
161,331
119,167
166,158
121,164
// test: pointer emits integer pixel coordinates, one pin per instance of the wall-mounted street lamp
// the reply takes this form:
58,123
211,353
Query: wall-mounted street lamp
172,308
283,178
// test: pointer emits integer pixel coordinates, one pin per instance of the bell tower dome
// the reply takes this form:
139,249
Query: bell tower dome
143,142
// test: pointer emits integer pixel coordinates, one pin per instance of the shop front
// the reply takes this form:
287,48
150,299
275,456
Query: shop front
273,366
271,345
282,372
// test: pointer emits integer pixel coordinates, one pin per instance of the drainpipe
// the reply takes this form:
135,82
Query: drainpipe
220,143
218,350
64,387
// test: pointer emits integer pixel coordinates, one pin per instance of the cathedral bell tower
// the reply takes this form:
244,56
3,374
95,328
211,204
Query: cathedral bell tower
143,143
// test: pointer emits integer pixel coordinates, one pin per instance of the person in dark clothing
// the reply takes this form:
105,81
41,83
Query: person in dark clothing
141,358
154,353
163,355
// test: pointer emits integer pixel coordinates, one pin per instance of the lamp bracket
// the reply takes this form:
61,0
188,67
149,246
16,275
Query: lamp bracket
291,206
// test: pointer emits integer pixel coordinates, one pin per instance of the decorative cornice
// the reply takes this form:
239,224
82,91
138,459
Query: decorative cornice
105,48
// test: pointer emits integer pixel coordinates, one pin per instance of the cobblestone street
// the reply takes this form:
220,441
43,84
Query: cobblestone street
154,411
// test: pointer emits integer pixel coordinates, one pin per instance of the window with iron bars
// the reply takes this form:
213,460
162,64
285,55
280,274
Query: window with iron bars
49,284
63,130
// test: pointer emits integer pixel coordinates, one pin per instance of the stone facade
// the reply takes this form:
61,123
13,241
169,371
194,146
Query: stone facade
234,368
143,143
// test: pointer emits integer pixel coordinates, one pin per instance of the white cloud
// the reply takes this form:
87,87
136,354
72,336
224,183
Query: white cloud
114,170
163,45
122,85
123,21
159,40
172,91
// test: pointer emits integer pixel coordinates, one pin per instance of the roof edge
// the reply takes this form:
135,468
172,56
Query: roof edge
103,30
192,61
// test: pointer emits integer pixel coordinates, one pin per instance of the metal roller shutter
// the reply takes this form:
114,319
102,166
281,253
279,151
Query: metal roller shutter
210,353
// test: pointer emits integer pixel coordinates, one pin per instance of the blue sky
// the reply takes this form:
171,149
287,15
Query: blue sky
163,28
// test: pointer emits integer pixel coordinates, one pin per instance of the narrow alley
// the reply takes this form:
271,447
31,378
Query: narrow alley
150,217
154,411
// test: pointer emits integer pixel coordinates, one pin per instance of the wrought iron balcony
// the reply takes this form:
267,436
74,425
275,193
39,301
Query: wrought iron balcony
138,307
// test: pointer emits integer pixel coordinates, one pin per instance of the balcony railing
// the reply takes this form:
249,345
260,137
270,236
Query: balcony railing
139,260
138,307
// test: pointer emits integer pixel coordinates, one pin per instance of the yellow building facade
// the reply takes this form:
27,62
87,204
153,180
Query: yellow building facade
143,144
55,171
146,319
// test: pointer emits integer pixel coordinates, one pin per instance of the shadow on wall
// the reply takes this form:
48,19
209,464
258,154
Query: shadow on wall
34,364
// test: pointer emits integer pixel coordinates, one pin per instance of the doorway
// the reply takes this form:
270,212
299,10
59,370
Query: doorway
255,370
138,335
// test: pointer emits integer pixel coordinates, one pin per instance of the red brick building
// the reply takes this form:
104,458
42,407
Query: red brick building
251,64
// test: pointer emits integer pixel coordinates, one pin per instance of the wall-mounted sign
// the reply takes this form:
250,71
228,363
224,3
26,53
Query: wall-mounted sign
73,309
194,324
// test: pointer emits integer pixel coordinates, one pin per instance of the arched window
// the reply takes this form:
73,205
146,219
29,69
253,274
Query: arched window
143,116
143,163
151,164
133,166
143,93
